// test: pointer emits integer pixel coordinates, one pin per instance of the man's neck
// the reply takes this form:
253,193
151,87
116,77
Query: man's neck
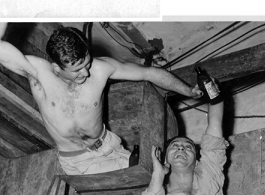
180,182
68,83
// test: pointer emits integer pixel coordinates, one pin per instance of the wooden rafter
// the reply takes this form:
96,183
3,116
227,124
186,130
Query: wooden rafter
229,66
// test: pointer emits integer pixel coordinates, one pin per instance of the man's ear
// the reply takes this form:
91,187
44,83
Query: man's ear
167,165
56,67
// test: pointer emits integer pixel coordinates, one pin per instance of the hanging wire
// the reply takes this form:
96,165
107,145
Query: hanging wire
134,52
194,106
181,57
236,91
201,103
230,42
126,39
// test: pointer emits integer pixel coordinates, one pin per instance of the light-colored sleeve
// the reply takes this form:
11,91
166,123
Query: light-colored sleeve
209,169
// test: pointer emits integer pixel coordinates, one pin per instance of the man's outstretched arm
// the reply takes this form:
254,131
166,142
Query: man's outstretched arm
215,120
12,58
158,76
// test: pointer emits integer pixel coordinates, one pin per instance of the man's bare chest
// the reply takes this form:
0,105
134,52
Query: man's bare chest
54,97
68,103
74,104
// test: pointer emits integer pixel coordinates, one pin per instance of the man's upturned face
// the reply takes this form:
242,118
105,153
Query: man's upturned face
181,153
78,72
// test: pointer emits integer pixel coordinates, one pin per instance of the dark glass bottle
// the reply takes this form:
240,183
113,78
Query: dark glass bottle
134,158
210,89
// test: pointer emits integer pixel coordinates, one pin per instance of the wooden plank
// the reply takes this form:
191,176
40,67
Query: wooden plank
7,150
125,178
17,90
229,66
19,80
25,122
12,98
133,191
26,143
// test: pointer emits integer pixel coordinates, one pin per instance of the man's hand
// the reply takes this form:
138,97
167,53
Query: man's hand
3,26
159,169
159,172
196,92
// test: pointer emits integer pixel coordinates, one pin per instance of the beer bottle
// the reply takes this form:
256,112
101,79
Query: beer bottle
210,89
134,158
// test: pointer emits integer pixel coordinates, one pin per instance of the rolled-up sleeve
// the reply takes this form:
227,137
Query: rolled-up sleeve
209,170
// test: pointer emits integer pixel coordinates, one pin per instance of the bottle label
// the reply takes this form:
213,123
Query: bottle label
212,89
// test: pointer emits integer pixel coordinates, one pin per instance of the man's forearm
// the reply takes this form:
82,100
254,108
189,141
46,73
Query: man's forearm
168,81
215,119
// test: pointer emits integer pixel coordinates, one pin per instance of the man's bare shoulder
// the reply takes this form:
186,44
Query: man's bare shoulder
41,68
101,68
102,63
38,62
109,60
104,60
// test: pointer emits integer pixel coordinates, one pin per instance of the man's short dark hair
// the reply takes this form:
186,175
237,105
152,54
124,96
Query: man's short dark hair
67,45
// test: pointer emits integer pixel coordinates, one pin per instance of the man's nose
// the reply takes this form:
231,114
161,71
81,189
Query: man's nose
180,147
84,72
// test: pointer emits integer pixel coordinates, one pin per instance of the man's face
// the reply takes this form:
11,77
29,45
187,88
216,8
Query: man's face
78,72
181,153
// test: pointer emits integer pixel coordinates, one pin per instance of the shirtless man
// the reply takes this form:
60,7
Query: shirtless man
70,91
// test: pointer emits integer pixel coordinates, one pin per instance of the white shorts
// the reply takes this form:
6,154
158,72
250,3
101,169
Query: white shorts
110,156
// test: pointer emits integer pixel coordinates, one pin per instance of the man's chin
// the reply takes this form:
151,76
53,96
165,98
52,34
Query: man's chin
180,162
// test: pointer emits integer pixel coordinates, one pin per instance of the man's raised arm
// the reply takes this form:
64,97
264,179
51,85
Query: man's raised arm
12,58
157,76
215,120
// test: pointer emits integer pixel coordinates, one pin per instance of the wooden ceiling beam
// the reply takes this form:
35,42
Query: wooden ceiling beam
227,67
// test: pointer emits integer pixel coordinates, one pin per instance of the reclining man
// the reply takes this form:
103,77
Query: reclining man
70,91
188,176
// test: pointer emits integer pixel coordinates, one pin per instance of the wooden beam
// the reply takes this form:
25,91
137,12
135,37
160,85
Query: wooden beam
229,66
20,139
7,150
111,182
12,98
16,89
25,122
19,80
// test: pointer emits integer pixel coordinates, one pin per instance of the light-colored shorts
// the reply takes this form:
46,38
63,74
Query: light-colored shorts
110,156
